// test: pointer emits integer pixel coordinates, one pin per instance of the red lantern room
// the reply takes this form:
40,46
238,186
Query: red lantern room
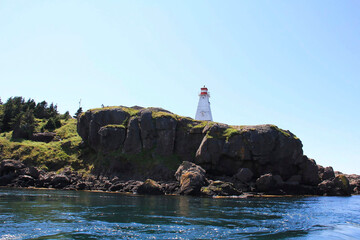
204,91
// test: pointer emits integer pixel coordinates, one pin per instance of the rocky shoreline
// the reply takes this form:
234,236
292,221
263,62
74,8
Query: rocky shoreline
191,179
153,151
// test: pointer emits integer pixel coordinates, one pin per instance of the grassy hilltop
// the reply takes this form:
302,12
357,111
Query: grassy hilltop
19,119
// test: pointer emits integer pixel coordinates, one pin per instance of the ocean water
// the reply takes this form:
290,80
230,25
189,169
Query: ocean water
50,214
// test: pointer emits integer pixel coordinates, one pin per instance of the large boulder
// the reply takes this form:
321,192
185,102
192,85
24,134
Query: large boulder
338,186
92,121
43,137
309,172
327,173
262,149
354,181
220,188
60,181
31,171
266,183
112,137
191,178
10,166
244,175
150,187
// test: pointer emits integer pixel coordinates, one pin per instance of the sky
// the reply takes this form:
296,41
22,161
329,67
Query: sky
295,64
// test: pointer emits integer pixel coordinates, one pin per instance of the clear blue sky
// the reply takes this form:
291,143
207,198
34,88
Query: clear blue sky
295,64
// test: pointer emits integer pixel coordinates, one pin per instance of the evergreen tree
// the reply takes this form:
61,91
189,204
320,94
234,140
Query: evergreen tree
78,112
40,110
57,122
50,125
30,105
24,125
66,116
12,108
52,111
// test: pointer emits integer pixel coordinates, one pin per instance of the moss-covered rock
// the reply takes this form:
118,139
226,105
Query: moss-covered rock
220,188
150,187
191,177
338,186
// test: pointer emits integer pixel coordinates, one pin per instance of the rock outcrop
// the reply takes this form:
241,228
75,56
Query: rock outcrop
191,177
129,145
220,188
150,187
261,158
220,149
337,186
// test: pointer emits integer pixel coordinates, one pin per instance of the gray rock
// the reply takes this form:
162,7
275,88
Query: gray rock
338,186
31,171
43,137
148,130
188,139
90,123
309,172
262,149
112,137
150,187
278,180
191,178
327,174
9,166
60,181
166,130
117,187
244,175
220,188
132,186
26,180
295,180
133,138
265,183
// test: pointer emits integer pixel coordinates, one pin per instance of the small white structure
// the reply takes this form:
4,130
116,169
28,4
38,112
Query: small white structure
203,111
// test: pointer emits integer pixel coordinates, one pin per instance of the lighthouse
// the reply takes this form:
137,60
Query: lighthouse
203,111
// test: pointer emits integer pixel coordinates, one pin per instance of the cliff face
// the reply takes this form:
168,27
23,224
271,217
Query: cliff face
220,149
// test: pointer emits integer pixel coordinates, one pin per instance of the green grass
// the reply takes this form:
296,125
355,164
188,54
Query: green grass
115,126
130,111
230,132
159,114
284,132
48,156
68,129
201,124
95,110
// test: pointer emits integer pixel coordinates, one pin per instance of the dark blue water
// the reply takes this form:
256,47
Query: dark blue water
47,214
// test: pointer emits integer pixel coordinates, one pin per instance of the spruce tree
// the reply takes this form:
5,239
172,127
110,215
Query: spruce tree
78,112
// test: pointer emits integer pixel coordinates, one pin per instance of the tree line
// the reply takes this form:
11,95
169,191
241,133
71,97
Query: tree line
19,115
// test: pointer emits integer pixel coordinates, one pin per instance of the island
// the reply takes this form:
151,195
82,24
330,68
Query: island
154,151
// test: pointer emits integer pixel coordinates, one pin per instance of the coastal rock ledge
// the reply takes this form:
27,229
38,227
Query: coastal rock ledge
223,151
153,151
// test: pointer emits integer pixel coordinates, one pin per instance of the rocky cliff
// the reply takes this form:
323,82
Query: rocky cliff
153,151
220,149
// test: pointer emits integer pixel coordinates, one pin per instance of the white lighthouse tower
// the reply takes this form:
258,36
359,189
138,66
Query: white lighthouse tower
203,111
